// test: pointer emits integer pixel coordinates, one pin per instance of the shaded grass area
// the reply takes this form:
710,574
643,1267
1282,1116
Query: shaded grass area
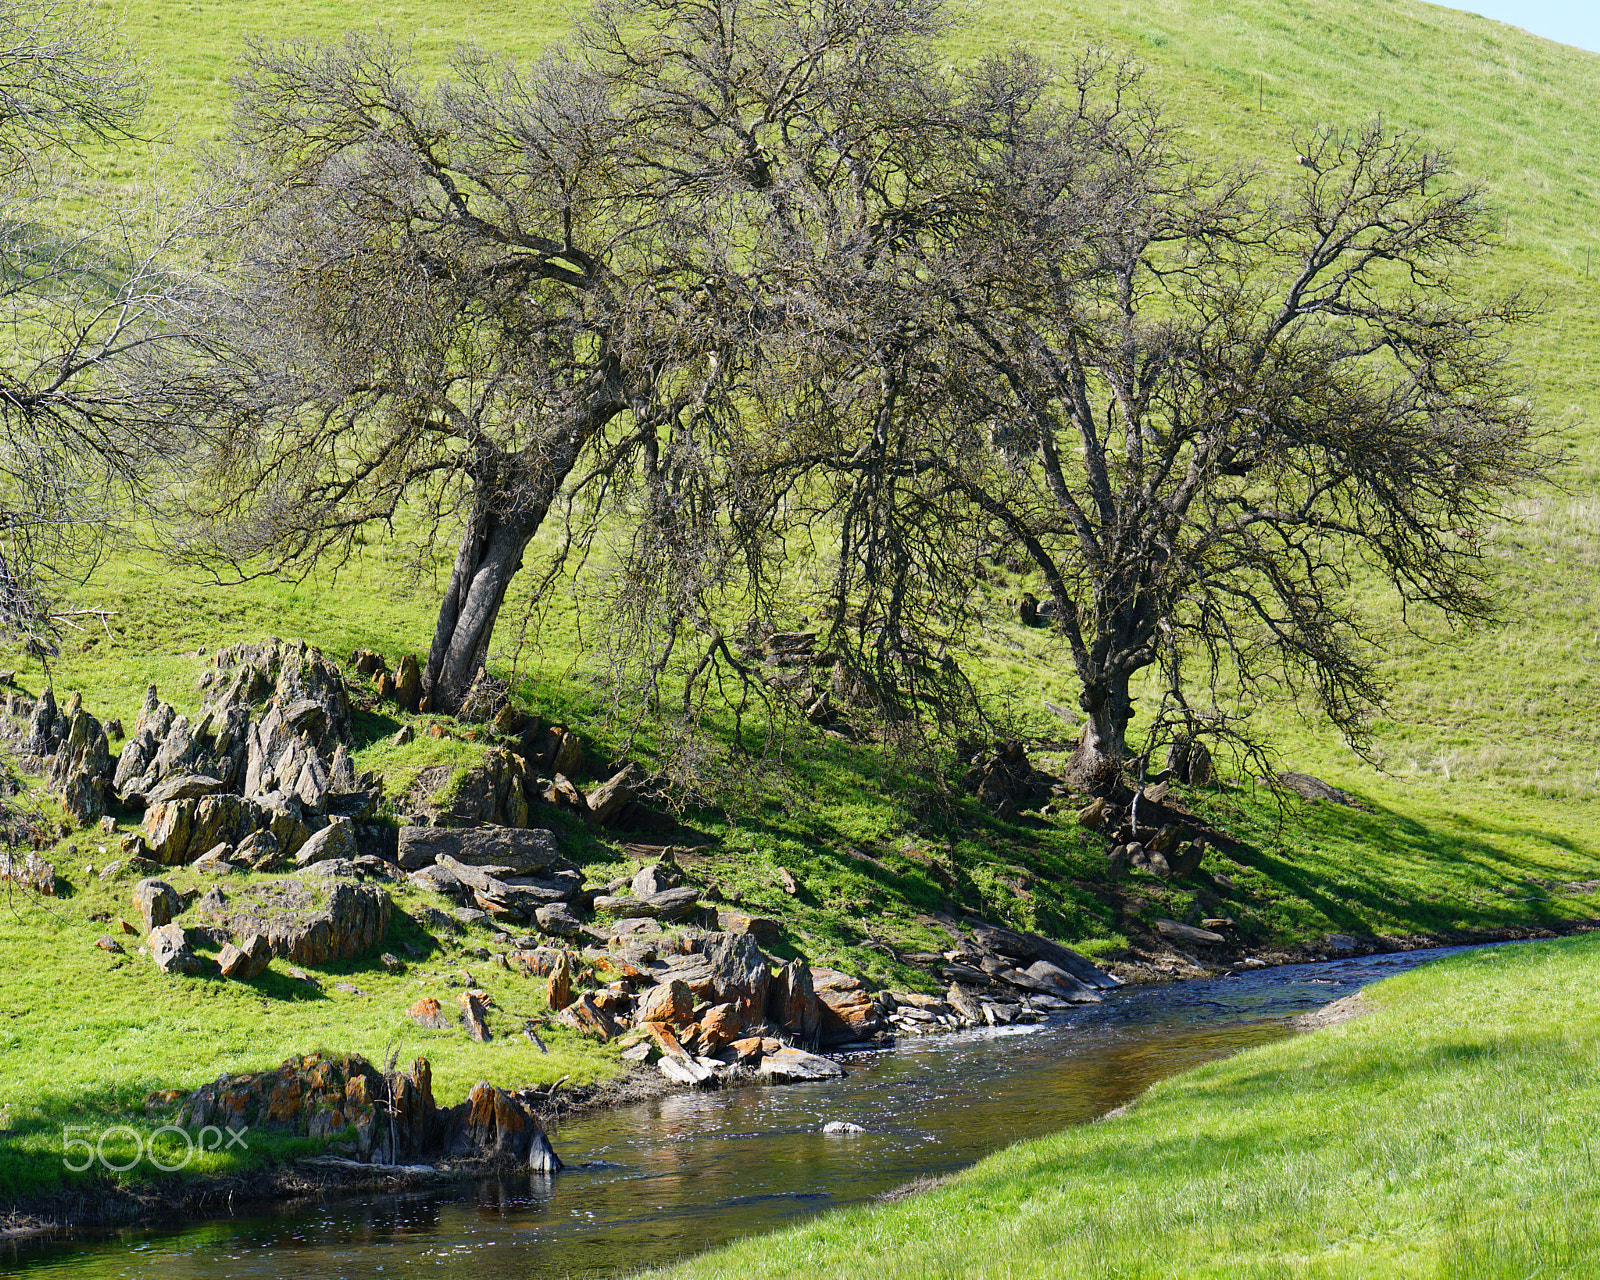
1447,1133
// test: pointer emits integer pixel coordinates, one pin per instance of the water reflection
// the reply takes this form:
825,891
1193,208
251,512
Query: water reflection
670,1177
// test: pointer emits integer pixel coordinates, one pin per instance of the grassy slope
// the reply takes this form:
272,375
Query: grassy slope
1442,1135
1491,743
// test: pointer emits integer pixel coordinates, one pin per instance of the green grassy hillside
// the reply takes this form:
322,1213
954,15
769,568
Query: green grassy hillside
1480,818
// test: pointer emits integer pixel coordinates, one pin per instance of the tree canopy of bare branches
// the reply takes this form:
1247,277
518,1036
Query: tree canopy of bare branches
741,271
1197,403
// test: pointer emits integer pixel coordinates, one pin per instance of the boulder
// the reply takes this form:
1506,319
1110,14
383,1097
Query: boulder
81,769
177,831
185,786
612,797
366,662
247,960
588,1018
620,906
475,1014
536,962
336,840
964,1003
764,929
795,1066
520,849
656,877
169,948
556,918
739,974
720,1025
1187,933
848,1012
216,861
565,792
157,902
408,683
493,1122
670,1003
558,990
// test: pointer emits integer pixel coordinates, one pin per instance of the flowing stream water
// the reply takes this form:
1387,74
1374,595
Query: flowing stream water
657,1181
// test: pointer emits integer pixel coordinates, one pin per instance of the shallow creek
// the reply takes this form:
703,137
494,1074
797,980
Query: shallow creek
653,1182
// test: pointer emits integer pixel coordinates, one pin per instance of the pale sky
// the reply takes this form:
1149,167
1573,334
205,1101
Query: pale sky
1575,22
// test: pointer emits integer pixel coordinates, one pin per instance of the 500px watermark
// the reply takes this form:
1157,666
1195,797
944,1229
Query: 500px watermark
169,1157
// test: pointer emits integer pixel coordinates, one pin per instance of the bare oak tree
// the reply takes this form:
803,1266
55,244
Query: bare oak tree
468,302
1199,405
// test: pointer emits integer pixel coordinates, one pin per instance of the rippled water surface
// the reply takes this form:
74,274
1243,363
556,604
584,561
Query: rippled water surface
653,1182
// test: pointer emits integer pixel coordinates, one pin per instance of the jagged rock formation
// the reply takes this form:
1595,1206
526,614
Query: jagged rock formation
69,746
394,1116
269,752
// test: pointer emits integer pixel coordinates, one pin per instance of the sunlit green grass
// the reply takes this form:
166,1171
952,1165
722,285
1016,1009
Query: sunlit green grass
1481,813
1450,1133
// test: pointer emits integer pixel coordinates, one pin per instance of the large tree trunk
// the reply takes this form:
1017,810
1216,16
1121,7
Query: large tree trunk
1097,763
489,557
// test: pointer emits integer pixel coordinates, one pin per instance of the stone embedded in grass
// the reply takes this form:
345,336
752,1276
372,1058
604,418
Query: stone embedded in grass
169,948
475,1014
558,989
107,943
427,1012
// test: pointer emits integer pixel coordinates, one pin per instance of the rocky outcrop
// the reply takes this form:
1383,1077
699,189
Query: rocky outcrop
269,752
394,1116
303,920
